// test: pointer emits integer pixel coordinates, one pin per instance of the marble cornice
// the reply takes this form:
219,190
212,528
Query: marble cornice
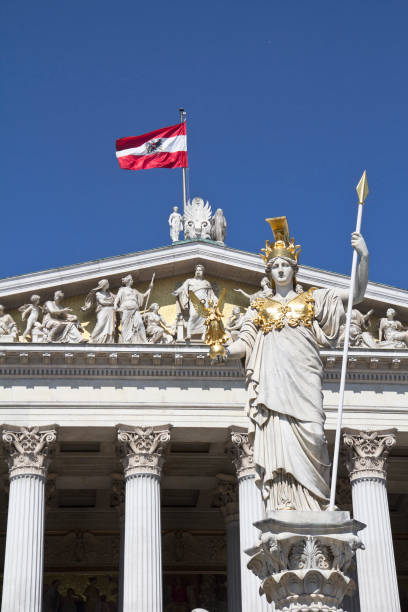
164,361
177,259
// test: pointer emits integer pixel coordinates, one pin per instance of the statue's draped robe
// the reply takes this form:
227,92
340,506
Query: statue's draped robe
104,330
203,290
285,405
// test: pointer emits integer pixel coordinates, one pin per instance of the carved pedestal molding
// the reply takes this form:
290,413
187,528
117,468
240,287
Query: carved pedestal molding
28,454
118,502
302,557
142,451
367,453
226,498
251,509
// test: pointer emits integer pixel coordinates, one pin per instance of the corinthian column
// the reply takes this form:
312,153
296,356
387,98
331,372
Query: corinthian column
367,453
251,509
227,500
28,456
142,455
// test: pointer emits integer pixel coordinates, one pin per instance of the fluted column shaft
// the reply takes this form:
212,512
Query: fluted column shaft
143,451
367,464
251,509
226,498
28,458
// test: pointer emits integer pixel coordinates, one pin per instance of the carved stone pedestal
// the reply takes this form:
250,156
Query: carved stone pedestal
301,559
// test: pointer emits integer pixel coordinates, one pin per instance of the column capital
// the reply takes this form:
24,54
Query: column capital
226,497
142,449
367,452
241,451
28,449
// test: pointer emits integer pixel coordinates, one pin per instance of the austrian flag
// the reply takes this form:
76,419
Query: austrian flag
164,148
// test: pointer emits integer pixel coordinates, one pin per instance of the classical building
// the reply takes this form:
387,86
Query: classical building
128,475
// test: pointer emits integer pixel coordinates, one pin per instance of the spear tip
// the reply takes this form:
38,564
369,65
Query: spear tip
362,188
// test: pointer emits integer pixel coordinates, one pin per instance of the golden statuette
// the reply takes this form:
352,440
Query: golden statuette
215,335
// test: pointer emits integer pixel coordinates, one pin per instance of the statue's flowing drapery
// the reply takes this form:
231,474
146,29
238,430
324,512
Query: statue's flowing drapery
285,405
104,330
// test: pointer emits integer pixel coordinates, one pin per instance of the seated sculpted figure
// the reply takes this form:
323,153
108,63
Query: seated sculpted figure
157,330
8,327
392,334
359,334
62,326
280,340
234,323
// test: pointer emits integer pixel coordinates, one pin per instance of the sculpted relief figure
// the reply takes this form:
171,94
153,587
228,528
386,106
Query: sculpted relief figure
61,325
32,312
185,308
197,220
157,330
265,290
392,334
359,336
176,224
235,322
8,327
101,300
280,340
218,226
128,302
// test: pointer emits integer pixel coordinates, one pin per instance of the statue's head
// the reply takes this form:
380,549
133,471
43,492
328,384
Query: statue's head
236,311
35,299
102,284
199,271
282,271
154,307
390,313
281,256
127,280
175,209
58,296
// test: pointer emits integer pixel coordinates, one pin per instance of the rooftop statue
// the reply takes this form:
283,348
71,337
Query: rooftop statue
101,300
197,220
218,226
61,325
176,224
392,334
185,308
280,340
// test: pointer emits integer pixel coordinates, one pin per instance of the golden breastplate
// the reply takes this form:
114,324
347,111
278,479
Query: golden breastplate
273,314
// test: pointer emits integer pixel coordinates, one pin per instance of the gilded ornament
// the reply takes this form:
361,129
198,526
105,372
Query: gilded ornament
215,335
273,314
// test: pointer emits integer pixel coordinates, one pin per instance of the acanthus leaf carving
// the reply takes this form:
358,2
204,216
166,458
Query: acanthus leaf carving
142,449
367,452
29,449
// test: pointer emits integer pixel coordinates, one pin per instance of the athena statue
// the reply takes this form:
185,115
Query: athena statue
279,340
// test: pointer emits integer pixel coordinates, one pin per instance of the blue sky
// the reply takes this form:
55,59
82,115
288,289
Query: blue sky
288,102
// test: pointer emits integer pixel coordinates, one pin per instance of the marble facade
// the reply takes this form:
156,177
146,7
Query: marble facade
112,504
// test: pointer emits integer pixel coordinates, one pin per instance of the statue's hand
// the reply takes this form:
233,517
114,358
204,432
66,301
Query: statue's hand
358,243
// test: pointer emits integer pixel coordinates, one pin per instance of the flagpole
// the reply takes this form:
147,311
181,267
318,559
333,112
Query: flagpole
362,191
183,120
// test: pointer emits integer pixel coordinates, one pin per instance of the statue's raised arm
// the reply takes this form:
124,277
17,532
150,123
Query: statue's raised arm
359,245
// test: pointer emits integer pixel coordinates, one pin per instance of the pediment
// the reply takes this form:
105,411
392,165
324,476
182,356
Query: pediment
225,267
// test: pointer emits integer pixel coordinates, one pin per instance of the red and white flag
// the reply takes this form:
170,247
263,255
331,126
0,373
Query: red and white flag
164,148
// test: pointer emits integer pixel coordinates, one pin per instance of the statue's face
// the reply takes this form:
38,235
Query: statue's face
199,273
282,272
58,297
390,313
